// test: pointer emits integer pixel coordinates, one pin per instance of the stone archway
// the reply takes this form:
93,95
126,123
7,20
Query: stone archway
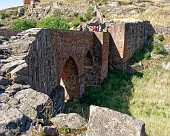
89,70
69,79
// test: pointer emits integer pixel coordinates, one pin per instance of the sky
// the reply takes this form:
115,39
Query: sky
10,3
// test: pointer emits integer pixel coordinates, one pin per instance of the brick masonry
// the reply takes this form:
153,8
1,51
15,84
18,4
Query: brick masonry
125,39
77,59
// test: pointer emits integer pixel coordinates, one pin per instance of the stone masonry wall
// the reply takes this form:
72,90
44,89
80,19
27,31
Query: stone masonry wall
42,64
8,33
162,30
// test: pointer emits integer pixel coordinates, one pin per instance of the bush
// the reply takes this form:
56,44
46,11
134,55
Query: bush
3,15
160,38
53,22
158,48
23,24
88,15
77,21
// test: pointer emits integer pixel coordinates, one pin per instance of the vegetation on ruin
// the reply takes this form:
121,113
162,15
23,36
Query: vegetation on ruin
23,24
143,95
53,22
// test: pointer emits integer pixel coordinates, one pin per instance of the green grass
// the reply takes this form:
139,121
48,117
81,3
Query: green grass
144,95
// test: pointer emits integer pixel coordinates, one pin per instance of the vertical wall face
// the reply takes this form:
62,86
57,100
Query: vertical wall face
116,49
126,38
101,41
136,36
42,64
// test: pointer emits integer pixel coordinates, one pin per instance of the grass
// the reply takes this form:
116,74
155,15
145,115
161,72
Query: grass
143,95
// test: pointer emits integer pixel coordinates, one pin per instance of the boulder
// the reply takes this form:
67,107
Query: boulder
107,122
12,121
166,65
33,104
13,89
166,48
57,96
72,120
3,81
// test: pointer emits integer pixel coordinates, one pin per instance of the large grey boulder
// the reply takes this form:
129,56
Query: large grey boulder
12,121
72,120
107,122
33,104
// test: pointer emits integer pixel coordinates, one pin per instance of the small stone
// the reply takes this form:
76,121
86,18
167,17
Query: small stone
166,65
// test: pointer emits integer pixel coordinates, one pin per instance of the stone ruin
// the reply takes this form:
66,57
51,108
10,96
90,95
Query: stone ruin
40,60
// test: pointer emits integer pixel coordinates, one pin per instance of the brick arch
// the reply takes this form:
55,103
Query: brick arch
69,79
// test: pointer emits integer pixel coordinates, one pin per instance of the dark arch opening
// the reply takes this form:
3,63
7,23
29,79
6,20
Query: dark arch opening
89,71
88,59
69,79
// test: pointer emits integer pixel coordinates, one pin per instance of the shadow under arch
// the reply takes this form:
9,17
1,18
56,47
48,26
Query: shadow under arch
89,70
69,79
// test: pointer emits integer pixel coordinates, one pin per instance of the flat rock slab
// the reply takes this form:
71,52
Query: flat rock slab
72,120
107,122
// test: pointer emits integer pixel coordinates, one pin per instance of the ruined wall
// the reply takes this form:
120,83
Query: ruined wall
8,33
101,41
70,58
117,42
162,30
126,38
41,63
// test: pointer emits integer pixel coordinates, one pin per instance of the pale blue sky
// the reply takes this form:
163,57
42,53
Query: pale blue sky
10,3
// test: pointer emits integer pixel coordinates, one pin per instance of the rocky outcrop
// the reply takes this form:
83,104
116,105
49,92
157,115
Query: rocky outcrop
18,111
12,121
107,122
